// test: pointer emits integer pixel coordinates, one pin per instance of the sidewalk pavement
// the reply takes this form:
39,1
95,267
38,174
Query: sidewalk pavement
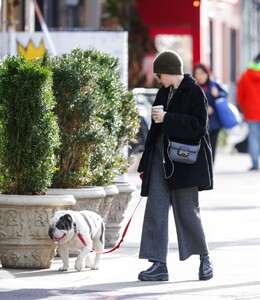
231,218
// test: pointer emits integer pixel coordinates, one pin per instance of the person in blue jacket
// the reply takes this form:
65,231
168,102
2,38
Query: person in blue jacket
213,90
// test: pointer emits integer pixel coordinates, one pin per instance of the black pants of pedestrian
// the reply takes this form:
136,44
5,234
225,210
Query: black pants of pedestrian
213,135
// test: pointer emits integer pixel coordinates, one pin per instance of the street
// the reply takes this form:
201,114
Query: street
231,218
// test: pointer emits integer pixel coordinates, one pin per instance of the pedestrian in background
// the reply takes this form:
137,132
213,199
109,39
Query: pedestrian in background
171,184
213,90
248,96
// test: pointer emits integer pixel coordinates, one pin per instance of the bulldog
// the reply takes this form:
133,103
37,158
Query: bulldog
78,230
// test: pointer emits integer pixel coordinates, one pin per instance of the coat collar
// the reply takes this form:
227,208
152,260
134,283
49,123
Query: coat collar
186,83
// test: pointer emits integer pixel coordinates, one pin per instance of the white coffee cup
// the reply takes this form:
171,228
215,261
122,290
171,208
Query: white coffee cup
158,108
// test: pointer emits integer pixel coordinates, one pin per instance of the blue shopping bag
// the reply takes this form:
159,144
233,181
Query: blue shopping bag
228,113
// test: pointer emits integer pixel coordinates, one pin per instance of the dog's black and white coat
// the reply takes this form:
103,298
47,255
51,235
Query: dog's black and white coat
89,224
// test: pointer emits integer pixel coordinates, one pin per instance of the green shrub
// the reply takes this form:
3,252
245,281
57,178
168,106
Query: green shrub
97,117
28,127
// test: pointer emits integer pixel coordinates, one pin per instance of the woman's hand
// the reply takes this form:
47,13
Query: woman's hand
214,91
158,116
210,110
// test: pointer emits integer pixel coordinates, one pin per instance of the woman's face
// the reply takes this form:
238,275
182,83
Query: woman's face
200,76
168,80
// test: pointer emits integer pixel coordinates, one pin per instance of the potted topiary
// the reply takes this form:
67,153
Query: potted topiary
73,86
97,118
28,139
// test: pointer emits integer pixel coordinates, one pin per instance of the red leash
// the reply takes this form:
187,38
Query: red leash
118,244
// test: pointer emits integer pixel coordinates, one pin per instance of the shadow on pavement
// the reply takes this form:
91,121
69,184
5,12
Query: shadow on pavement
110,291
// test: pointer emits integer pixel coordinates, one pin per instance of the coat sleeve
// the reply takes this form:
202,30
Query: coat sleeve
193,123
147,147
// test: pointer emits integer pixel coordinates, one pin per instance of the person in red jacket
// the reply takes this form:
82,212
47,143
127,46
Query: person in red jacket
248,96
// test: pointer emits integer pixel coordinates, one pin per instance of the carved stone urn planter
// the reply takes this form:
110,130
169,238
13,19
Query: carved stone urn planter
117,212
97,199
24,225
106,203
87,198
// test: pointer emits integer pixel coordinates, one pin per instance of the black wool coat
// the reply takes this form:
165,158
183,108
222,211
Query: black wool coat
186,121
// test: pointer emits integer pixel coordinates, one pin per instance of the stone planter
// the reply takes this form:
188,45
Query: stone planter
87,198
117,212
106,203
24,226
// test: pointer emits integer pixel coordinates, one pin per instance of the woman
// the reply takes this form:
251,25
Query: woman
167,183
213,90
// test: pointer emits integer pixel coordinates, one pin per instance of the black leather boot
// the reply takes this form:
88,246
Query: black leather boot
157,272
206,269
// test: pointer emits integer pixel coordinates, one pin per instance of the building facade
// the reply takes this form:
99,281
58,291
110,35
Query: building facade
223,34
201,31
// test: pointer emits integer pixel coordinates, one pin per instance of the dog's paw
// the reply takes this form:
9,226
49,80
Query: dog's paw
63,269
78,266
94,267
88,263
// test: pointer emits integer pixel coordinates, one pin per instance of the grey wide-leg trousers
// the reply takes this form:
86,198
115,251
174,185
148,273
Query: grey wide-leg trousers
185,204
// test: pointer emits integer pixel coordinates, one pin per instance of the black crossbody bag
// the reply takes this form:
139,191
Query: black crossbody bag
183,153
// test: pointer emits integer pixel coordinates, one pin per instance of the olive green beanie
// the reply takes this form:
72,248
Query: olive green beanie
168,62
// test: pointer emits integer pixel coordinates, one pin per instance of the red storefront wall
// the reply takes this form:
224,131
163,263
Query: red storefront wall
173,17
